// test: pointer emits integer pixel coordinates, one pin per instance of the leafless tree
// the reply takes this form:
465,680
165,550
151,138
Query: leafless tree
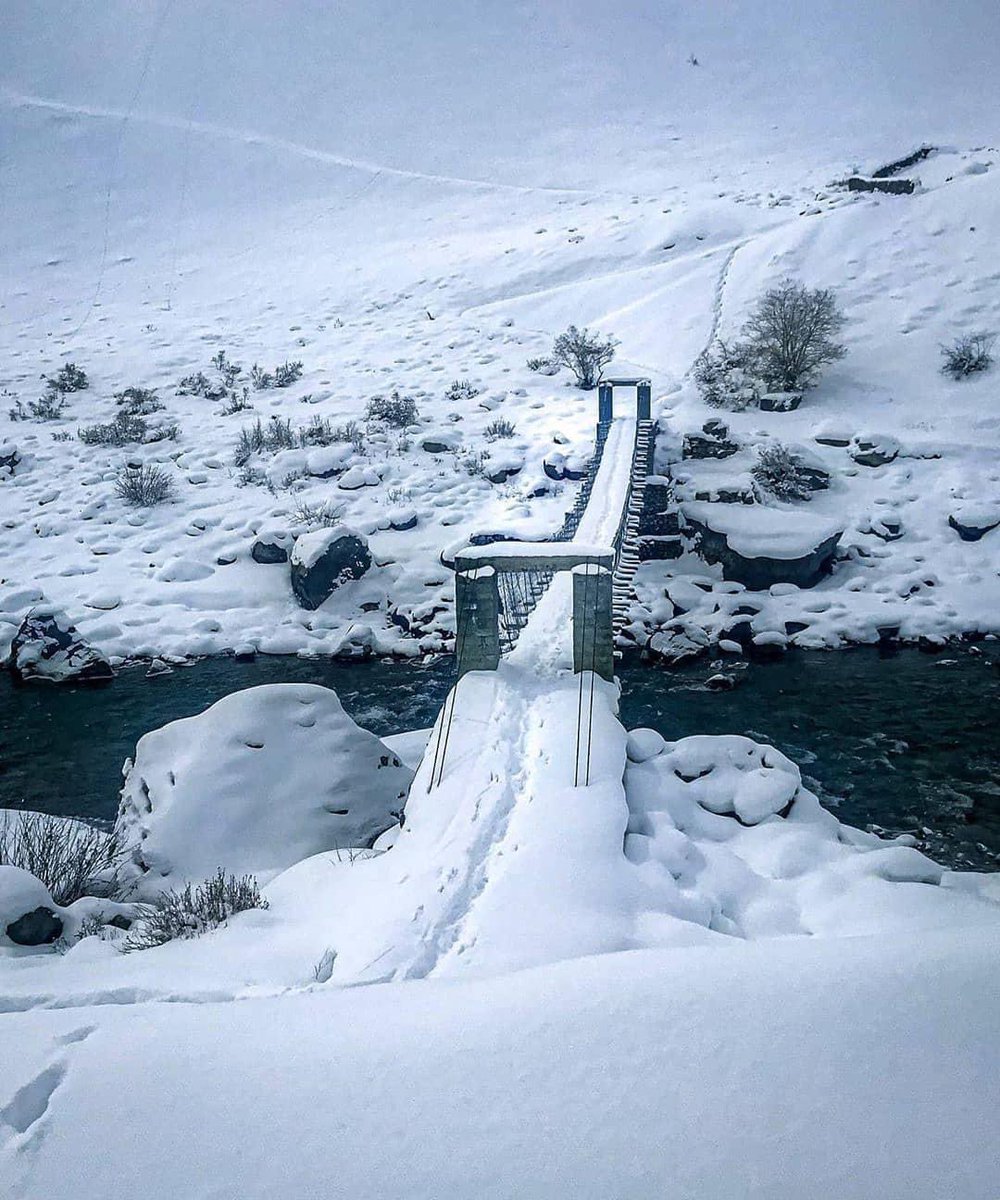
792,333
585,353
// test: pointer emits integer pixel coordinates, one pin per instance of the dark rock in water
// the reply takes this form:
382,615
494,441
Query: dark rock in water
272,546
712,442
893,187
357,646
48,647
677,643
723,682
794,627
40,927
325,560
971,522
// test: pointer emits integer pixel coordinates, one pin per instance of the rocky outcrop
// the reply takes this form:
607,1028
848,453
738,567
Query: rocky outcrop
712,442
759,546
893,187
325,560
47,647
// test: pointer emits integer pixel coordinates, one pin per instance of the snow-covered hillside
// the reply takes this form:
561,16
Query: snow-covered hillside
401,201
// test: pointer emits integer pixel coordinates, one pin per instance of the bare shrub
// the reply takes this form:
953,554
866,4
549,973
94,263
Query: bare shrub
968,355
69,378
780,473
318,516
143,485
792,334
230,371
276,435
238,402
500,428
193,911
726,376
462,389
395,410
585,353
542,366
71,858
287,373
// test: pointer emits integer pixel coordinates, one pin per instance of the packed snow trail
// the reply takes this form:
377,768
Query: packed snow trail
475,857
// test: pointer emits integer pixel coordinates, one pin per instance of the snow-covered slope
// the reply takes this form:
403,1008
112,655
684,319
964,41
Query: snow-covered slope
403,199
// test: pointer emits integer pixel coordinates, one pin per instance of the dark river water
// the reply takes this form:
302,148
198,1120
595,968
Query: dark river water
908,741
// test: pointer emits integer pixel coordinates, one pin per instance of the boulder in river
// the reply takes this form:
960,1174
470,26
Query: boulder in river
48,647
325,560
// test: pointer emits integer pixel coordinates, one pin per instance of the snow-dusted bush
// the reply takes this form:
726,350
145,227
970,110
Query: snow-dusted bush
238,402
276,435
262,779
143,485
726,375
138,401
318,516
396,410
72,859
462,389
780,473
500,428
321,431
192,911
46,408
230,371
792,334
283,375
69,378
585,353
542,366
123,430
968,355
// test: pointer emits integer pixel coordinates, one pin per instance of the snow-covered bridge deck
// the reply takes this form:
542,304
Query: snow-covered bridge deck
513,751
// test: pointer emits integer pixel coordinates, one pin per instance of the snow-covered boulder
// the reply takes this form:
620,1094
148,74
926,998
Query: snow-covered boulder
10,458
502,463
48,647
676,643
324,560
271,546
734,776
972,519
759,545
713,441
259,781
873,449
28,914
441,443
326,461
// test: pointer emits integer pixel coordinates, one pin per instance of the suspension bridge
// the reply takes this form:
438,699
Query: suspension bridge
527,750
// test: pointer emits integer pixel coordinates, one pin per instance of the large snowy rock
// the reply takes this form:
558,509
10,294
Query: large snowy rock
28,914
973,519
759,546
325,559
48,647
259,781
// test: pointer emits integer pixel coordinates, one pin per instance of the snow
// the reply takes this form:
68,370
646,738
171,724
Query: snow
684,977
262,779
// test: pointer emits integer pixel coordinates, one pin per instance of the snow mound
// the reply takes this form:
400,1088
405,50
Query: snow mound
259,781
28,914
